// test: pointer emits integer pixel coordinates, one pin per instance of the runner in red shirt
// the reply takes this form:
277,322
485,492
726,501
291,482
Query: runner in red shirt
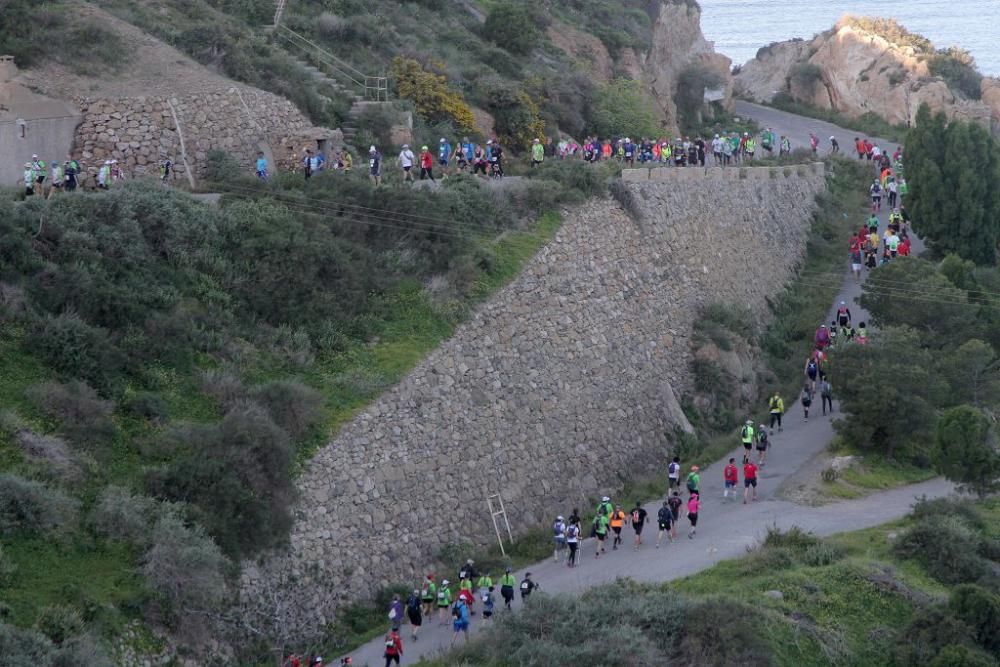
393,648
732,478
904,248
749,479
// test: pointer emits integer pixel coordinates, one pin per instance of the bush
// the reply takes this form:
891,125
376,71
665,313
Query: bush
29,507
930,629
119,515
147,405
24,648
76,350
963,451
692,82
186,569
956,655
431,96
292,405
237,477
721,632
513,26
59,623
515,114
623,108
980,610
947,547
821,554
84,417
220,167
957,67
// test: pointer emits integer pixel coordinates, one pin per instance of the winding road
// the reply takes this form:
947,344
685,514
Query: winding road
725,529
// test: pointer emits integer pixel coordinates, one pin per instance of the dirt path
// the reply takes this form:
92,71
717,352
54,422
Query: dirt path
725,529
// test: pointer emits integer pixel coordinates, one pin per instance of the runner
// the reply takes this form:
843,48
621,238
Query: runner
834,146
375,166
559,535
507,584
484,583
843,315
694,504
58,178
617,522
807,398
444,155
730,477
749,480
461,623
426,164
763,444
393,648
812,371
428,594
876,192
777,409
826,395
443,601
638,520
414,613
537,153
693,481
605,505
813,142
676,502
29,180
600,530
527,585
488,604
573,540
822,337
747,436
674,474
664,521
406,159
395,613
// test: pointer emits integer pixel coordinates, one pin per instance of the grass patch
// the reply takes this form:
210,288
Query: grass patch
869,473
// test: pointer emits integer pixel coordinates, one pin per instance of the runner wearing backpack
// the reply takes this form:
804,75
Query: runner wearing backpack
507,583
674,474
763,443
617,522
527,585
826,395
675,503
600,531
747,436
693,481
812,371
414,613
664,520
559,536
572,541
777,408
638,520
807,399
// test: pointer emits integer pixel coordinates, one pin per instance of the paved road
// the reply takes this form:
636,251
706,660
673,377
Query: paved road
726,528
797,128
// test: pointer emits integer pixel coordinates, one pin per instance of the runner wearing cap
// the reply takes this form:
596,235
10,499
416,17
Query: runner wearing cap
559,536
443,601
747,436
693,481
428,594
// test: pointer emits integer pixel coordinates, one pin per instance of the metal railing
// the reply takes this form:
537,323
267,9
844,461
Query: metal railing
278,11
374,87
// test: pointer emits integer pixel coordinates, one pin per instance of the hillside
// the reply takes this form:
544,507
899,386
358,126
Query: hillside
871,66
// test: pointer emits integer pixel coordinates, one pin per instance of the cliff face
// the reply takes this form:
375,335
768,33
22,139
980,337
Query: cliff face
677,43
855,71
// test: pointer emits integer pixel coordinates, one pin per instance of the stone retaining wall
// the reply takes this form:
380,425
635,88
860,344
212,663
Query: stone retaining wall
559,386
140,131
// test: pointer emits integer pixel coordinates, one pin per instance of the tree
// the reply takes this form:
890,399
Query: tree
431,95
964,452
971,373
513,26
623,108
980,610
891,394
515,114
927,196
692,82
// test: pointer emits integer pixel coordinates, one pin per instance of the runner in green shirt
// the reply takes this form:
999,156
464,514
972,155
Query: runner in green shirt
507,584
444,601
601,523
537,153
428,594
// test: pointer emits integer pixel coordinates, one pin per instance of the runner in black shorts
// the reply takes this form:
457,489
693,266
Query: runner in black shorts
664,520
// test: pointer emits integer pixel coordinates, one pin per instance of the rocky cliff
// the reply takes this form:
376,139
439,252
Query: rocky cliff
677,44
856,70
549,394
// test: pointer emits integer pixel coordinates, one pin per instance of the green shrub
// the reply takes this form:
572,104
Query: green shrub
805,74
84,418
692,82
237,477
624,108
514,26
821,554
59,623
947,547
721,632
964,452
956,655
24,648
928,632
980,610
77,350
292,405
187,572
573,175
957,67
147,405
29,507
220,167
120,515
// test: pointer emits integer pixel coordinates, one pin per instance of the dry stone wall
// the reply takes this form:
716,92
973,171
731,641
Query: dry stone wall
140,132
556,388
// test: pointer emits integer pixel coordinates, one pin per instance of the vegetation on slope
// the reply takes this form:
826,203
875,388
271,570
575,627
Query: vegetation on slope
166,365
918,592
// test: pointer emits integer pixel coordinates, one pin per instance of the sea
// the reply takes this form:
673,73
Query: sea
740,27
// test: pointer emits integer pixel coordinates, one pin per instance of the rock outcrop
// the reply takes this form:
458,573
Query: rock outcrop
553,388
856,71
677,43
